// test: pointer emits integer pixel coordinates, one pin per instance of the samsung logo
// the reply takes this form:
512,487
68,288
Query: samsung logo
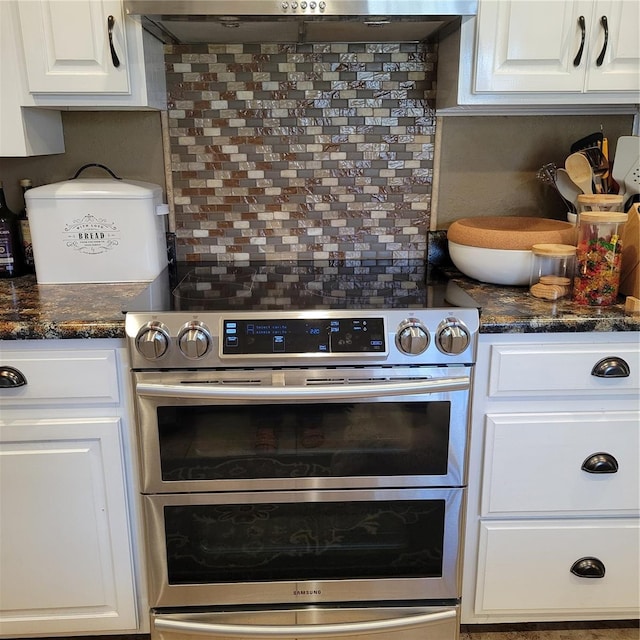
307,592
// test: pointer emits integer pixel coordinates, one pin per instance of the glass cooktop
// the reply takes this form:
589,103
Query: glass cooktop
329,284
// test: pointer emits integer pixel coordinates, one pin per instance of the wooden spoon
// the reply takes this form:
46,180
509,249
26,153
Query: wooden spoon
579,169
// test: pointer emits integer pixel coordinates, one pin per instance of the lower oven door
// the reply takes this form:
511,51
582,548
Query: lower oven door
385,623
303,547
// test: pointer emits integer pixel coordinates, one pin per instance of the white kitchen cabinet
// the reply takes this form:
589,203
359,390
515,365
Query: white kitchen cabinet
554,478
536,46
68,526
87,53
24,130
530,53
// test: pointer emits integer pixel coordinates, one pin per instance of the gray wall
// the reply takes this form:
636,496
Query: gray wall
488,164
128,142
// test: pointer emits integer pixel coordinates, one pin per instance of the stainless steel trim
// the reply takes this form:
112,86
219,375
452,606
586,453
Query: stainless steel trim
280,393
163,594
302,631
276,8
284,21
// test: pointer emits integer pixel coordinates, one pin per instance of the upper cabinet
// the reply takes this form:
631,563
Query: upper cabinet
87,53
24,131
78,54
543,52
558,46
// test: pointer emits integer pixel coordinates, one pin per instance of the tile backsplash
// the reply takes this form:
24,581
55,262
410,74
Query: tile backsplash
307,151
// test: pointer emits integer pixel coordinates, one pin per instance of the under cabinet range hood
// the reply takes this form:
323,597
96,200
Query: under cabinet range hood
287,21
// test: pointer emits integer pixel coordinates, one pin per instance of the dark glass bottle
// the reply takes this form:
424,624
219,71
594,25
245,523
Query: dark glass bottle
25,231
11,260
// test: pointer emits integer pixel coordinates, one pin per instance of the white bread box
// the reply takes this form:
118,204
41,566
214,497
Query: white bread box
97,230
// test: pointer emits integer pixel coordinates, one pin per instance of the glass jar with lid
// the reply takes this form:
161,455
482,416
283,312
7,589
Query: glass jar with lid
552,268
598,258
599,202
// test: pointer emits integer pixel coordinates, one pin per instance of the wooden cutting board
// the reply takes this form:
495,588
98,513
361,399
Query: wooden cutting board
630,274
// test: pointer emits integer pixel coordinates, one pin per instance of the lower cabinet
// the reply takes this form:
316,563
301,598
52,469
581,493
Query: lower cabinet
553,515
68,560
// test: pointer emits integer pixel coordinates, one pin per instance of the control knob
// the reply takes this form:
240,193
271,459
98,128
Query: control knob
153,340
194,339
452,336
412,337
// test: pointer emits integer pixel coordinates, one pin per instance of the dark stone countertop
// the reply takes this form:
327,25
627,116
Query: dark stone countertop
514,310
29,311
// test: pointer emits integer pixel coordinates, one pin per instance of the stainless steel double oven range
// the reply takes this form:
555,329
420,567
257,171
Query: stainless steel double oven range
302,433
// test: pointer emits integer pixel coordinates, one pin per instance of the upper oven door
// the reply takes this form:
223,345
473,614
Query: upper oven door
303,428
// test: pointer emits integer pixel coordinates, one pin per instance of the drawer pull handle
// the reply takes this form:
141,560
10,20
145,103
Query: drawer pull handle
583,29
600,463
605,26
588,568
611,367
114,56
11,378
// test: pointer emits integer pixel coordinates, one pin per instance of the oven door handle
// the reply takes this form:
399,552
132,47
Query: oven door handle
304,630
311,392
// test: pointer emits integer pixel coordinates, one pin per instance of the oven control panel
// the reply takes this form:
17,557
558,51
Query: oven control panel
283,336
247,339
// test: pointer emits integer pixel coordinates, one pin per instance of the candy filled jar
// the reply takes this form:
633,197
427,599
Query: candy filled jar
598,258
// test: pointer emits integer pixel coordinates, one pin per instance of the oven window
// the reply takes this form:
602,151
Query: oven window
304,440
326,540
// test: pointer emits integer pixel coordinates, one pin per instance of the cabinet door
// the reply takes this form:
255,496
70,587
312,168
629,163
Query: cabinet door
65,553
530,45
67,46
619,68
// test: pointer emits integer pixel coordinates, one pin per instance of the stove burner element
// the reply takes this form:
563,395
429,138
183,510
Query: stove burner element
213,285
382,290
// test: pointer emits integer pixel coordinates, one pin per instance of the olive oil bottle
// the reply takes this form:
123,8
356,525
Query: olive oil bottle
25,231
11,255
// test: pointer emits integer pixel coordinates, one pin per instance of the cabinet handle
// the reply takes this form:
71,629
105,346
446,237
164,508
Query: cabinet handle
605,26
611,367
600,463
11,378
114,56
588,568
583,29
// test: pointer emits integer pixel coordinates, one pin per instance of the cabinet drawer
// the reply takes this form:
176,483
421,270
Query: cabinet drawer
560,370
526,566
533,463
55,377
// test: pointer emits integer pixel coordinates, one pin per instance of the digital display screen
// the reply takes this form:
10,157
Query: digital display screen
290,336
